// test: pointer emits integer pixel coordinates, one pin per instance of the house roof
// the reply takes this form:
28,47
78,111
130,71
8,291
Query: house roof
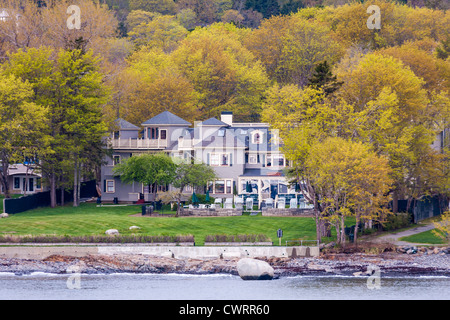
262,172
214,122
123,124
225,139
166,118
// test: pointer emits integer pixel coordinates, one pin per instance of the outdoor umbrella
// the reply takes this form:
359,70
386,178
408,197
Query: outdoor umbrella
194,198
207,196
248,187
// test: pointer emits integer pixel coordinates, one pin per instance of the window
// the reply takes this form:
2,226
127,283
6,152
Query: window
31,184
163,134
252,158
219,159
17,183
269,160
110,186
152,133
257,137
224,159
275,160
38,183
215,159
228,183
116,160
219,186
221,133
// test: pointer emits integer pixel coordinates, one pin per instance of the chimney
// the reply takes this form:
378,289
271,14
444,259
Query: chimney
227,117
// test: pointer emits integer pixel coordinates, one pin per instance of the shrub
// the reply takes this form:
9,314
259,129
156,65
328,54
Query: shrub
96,239
397,221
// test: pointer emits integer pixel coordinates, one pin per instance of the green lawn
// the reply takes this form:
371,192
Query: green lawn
423,237
88,219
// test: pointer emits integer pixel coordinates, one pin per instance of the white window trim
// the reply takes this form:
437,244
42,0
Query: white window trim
224,186
220,157
113,186
20,183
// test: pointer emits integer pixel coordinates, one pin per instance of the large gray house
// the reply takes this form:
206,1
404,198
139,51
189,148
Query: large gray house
242,154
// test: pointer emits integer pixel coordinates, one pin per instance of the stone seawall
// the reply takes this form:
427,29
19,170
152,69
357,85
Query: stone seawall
178,252
212,212
277,212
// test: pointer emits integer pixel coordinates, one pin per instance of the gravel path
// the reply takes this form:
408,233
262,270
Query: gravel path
394,237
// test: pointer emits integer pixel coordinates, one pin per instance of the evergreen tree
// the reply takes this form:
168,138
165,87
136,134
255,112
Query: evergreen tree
323,78
268,8
443,50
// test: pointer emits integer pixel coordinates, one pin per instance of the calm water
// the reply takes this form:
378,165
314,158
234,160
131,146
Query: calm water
42,286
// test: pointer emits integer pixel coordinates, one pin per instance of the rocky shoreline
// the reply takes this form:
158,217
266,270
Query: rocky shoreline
356,264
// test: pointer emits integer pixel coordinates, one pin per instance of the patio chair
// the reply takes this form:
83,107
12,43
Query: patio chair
281,203
293,203
269,203
249,204
239,203
228,203
218,203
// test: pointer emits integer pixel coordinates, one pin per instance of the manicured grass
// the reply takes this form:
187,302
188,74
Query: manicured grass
423,237
88,219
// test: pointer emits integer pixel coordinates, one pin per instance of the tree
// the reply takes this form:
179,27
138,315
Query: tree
29,26
268,8
163,32
21,125
191,174
443,50
224,74
161,6
290,47
392,109
351,180
148,169
442,227
323,78
69,85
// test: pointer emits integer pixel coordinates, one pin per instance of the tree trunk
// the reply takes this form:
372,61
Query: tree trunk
52,190
75,184
395,201
4,179
355,236
62,197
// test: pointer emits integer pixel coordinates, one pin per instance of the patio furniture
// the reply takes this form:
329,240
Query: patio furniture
281,203
269,203
293,203
239,203
228,203
249,204
218,203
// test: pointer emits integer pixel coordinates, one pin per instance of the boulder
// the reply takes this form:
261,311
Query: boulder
134,228
252,269
4,215
112,232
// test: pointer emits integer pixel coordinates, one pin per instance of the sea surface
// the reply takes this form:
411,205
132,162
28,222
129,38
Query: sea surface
42,286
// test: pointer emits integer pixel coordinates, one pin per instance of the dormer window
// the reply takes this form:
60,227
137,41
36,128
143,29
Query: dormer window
257,137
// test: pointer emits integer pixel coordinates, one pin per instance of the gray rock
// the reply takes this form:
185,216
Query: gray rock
252,269
4,215
112,232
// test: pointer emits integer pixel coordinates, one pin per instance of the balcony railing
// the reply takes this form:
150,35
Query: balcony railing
138,143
